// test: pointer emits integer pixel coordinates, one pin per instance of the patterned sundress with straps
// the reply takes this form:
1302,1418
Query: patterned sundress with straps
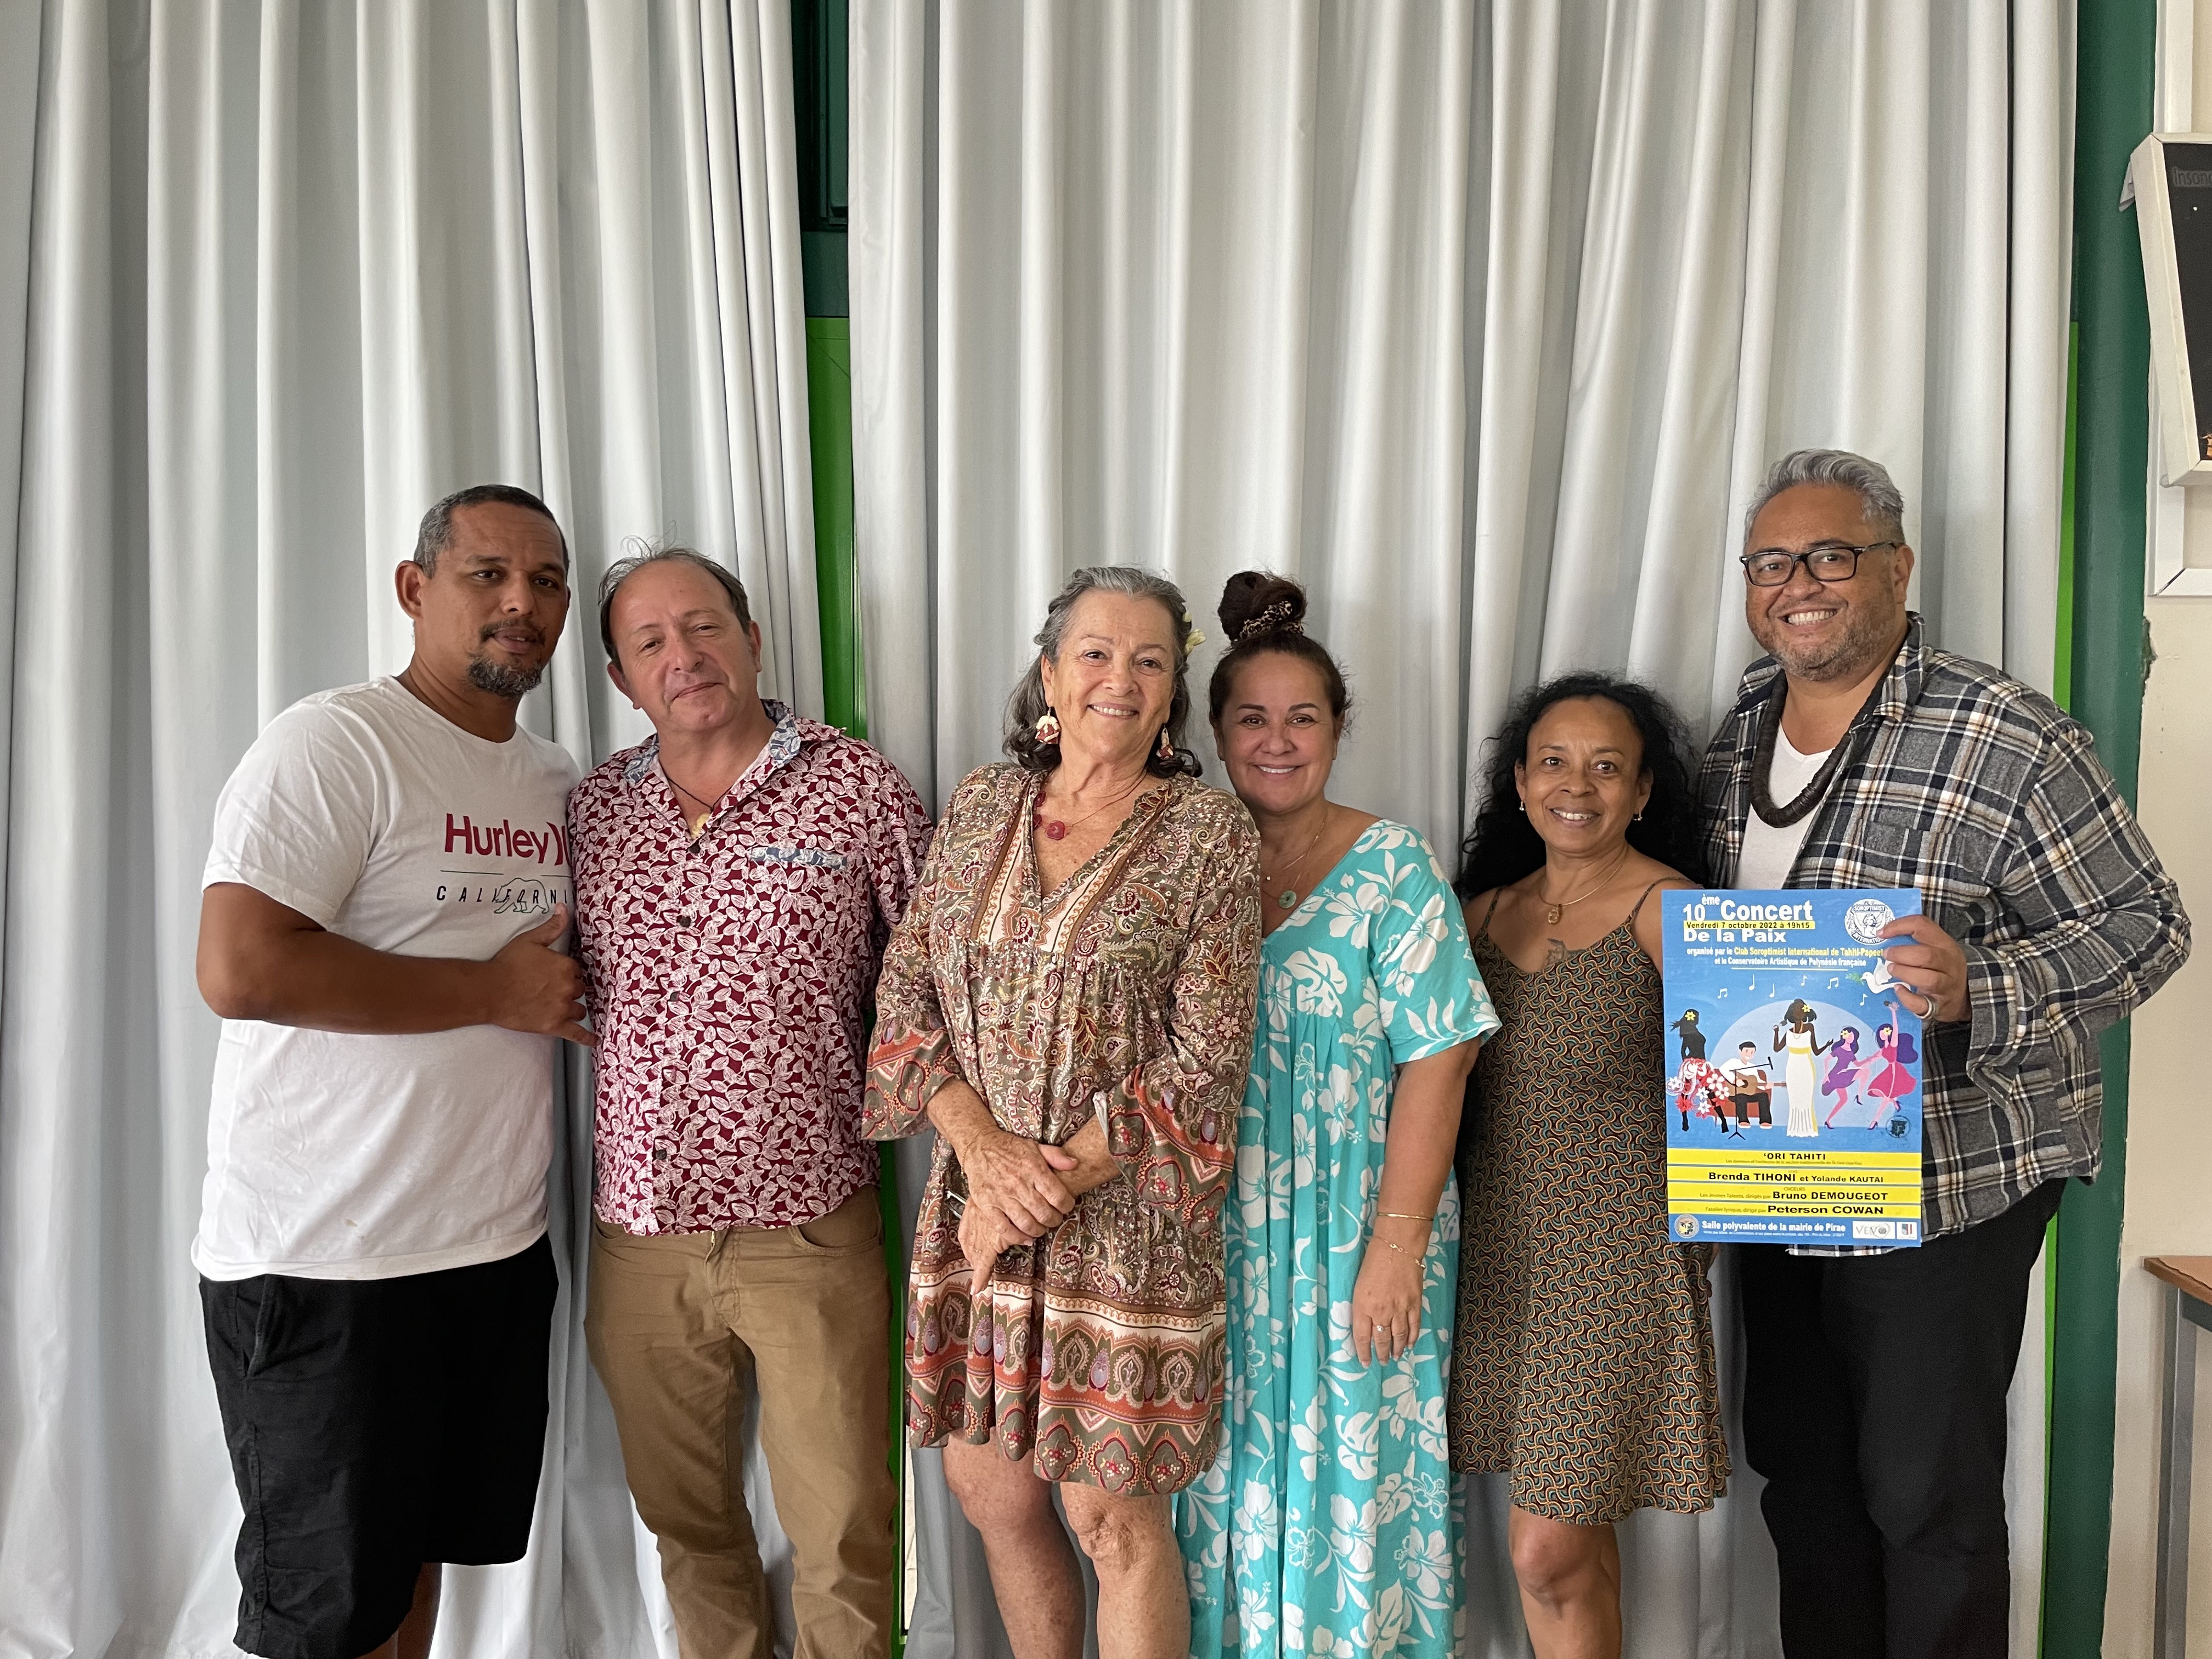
1583,1359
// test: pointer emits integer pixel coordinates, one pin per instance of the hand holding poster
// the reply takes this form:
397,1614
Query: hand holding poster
1793,1094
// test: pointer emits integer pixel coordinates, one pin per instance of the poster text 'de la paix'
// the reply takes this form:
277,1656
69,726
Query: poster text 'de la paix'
1793,1070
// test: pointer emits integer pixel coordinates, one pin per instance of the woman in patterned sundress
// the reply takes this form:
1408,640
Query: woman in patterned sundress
1069,1002
1324,1524
1583,1362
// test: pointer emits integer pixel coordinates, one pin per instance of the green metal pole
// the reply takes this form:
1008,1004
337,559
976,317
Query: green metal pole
830,429
2116,42
830,432
819,69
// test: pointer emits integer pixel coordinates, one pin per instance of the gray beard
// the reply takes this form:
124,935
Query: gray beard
487,676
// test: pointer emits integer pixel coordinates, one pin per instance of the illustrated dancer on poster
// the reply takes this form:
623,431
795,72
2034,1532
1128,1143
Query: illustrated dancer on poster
1695,1074
1801,1045
1698,1088
1895,1080
1845,1070
1693,1035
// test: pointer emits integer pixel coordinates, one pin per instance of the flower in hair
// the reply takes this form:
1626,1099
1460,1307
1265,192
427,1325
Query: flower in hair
1191,641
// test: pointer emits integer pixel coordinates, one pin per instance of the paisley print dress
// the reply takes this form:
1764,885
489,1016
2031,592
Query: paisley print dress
1128,993
1583,1359
1324,1526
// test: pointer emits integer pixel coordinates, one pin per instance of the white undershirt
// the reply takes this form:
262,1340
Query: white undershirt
1768,853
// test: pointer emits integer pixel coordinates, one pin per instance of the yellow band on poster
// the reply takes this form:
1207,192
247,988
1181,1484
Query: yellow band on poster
1819,1211
1806,1184
1798,1177
1697,1198
1763,1158
1714,1203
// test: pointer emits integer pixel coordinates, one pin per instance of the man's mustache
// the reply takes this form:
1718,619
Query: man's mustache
537,635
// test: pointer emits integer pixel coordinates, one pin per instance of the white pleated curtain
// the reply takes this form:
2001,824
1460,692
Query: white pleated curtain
274,276
1484,321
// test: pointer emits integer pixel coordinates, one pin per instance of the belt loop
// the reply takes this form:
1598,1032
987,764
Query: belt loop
721,1237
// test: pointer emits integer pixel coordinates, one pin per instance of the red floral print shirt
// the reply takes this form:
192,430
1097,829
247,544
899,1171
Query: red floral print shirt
730,977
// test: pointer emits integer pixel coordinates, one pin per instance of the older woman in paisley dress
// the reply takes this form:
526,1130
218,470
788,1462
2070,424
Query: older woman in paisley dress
1582,1364
1069,1002
1324,1526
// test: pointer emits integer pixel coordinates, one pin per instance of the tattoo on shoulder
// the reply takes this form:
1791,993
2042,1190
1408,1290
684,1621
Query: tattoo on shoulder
1555,952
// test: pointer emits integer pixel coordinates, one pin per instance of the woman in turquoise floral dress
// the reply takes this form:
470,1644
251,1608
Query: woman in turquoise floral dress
1324,1526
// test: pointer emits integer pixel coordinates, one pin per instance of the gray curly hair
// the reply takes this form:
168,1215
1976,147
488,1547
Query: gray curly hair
1027,706
1879,499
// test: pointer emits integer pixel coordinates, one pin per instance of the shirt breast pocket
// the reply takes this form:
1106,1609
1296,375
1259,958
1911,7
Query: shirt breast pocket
798,891
1954,865
797,858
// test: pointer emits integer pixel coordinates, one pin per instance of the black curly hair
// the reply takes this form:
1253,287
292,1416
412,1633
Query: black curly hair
1503,846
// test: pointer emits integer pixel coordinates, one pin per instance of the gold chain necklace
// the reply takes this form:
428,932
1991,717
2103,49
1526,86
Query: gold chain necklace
1288,898
1559,906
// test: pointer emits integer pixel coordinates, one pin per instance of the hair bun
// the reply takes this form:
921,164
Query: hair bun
1261,603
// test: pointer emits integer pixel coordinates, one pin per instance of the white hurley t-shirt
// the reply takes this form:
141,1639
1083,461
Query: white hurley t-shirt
332,1156
1770,854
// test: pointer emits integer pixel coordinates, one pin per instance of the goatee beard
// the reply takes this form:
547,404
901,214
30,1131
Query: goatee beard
503,682
1848,659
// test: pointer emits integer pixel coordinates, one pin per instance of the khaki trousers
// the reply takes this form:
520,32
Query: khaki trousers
676,1324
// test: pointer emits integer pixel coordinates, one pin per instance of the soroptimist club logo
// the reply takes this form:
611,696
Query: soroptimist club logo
1865,918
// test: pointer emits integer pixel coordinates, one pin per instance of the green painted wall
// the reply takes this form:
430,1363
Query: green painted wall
2103,687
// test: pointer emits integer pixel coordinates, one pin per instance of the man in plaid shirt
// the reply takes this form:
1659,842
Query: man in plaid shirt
1858,756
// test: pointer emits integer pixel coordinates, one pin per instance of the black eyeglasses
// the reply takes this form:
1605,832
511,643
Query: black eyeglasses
1832,562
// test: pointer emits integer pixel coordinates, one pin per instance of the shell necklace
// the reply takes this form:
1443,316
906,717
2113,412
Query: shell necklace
706,807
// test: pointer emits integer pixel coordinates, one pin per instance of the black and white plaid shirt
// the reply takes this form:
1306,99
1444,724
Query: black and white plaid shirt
1982,794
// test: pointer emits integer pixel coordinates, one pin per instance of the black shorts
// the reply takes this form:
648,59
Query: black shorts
373,1425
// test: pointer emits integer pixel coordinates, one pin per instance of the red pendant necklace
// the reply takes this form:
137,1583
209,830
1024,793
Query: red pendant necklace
1056,829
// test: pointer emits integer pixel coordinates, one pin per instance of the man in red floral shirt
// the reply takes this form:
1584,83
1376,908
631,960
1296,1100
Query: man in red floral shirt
736,878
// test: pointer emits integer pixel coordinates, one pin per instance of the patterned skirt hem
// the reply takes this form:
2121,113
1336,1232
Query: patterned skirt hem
1584,1513
1672,1502
1108,1466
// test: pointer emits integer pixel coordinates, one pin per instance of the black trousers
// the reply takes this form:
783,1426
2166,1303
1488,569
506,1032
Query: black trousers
1875,1406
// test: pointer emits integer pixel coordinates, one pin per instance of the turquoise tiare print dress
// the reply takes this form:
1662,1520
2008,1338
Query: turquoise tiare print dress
1323,1526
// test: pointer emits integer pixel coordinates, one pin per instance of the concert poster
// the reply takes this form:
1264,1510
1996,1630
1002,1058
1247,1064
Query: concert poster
1793,1087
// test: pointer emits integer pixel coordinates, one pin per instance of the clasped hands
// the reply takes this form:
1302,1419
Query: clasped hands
1019,1189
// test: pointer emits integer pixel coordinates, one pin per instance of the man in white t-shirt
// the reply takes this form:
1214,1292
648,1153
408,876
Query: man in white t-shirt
387,887
1860,755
